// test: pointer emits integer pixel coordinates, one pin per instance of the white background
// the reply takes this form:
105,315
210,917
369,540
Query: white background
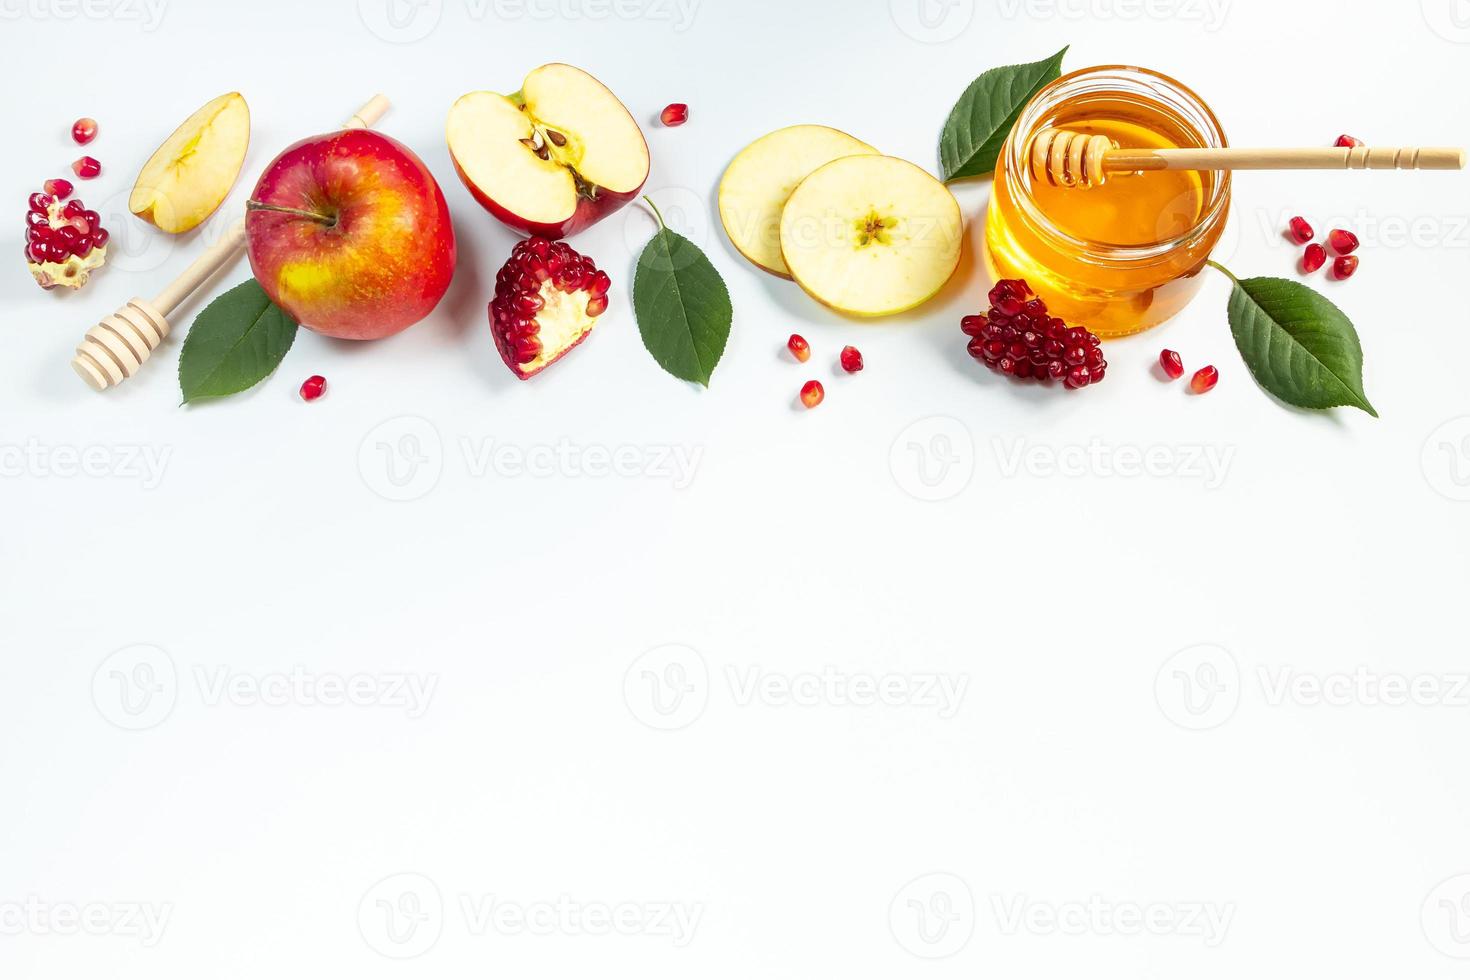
1119,737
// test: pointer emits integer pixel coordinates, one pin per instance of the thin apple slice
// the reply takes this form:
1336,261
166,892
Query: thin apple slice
762,176
189,176
871,235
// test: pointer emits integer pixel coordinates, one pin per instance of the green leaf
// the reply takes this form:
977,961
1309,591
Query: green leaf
682,306
1299,346
982,119
235,342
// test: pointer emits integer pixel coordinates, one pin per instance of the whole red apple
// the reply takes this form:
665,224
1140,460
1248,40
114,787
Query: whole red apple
559,155
349,234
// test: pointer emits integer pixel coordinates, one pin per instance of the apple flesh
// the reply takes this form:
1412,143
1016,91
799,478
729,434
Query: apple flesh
871,235
554,158
349,233
760,180
189,176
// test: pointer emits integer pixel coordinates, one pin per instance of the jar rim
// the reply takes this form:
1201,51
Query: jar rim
1132,79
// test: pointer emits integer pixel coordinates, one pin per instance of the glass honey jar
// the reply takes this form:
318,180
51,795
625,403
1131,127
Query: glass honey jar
1127,255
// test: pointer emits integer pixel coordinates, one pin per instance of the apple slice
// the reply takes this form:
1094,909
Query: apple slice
552,159
189,176
871,235
762,176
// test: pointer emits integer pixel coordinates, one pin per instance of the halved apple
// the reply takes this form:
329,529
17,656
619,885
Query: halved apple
552,159
189,176
762,176
871,235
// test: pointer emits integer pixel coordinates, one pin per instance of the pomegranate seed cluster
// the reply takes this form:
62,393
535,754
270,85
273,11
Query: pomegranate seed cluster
64,242
1018,337
534,263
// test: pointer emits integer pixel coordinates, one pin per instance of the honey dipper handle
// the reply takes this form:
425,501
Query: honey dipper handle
1305,158
116,348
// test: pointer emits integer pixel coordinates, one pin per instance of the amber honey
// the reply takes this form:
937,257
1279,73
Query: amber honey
1127,255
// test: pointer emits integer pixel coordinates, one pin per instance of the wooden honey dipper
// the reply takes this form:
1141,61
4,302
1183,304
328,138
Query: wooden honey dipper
116,348
1071,159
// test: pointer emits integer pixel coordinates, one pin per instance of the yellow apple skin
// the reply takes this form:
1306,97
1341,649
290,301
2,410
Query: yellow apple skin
189,176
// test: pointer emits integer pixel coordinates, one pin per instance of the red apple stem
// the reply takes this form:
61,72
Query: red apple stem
253,205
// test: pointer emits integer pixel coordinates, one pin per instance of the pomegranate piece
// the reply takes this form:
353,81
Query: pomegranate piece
547,299
852,360
58,188
86,167
1314,258
84,131
1019,338
799,348
1342,242
313,388
1344,266
1348,141
812,394
1204,379
65,243
675,114
1301,232
1172,363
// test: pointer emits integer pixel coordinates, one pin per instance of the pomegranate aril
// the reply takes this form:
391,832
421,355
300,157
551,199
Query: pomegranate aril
601,283
73,208
40,202
1018,337
1314,258
86,167
58,188
675,114
1342,242
1301,232
1172,363
37,219
799,348
84,130
597,306
812,394
99,237
1348,141
1344,266
852,360
1204,379
313,388
973,326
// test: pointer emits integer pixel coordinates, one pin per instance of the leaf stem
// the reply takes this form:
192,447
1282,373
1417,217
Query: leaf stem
1212,262
649,201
